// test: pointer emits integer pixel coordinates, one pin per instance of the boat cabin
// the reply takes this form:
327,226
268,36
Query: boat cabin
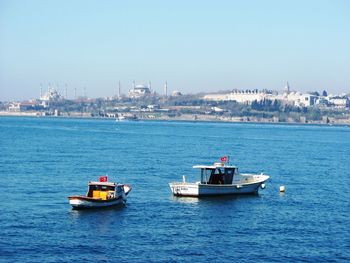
217,174
102,190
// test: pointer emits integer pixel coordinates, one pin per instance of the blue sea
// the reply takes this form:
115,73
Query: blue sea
44,160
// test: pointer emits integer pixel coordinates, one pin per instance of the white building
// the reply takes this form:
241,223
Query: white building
247,97
298,99
339,102
51,95
22,106
15,106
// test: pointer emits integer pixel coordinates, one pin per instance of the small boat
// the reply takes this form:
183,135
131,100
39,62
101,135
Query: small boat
101,194
220,179
120,118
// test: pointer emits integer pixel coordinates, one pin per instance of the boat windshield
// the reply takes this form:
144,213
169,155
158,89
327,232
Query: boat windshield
217,176
104,188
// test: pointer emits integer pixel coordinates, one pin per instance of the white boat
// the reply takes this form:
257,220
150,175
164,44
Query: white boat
120,118
101,194
220,179
126,117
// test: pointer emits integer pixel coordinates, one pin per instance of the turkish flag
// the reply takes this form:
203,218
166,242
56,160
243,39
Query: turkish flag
224,159
103,178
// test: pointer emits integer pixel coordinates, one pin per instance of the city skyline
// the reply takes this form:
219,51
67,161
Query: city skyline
72,93
194,47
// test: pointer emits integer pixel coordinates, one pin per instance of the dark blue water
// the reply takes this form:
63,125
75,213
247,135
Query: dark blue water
42,161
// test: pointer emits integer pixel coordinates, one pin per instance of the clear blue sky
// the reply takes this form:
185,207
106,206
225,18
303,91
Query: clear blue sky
193,45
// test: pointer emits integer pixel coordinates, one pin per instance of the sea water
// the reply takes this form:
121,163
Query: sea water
44,160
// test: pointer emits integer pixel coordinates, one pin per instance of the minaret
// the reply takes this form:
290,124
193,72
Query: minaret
287,88
41,90
119,90
75,93
133,84
166,89
66,92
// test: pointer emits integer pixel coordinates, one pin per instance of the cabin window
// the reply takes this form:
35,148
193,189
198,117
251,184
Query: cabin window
102,187
205,175
216,176
229,172
221,176
119,189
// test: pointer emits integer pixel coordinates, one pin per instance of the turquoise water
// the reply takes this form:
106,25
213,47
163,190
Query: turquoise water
43,160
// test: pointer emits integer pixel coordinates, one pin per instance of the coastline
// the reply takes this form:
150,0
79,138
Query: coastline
183,117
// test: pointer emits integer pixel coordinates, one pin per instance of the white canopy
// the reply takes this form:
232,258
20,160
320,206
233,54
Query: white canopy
102,183
219,165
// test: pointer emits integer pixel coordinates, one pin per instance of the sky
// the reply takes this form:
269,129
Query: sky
196,46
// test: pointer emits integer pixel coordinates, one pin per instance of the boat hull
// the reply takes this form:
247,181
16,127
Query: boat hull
82,202
85,202
198,189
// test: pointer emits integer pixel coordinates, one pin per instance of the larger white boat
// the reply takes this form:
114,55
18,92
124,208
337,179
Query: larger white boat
101,194
219,179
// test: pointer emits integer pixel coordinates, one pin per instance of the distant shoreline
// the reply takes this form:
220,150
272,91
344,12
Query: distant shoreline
187,118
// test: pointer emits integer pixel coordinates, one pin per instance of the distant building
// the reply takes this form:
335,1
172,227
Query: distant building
51,95
176,93
153,107
23,106
248,96
139,91
217,109
14,106
339,102
321,101
298,99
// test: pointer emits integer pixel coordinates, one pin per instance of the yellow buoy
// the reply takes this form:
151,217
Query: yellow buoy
282,189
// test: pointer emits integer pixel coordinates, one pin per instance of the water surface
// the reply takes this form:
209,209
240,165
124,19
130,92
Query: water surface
43,160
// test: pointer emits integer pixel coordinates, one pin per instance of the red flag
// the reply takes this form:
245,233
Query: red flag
224,159
103,178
